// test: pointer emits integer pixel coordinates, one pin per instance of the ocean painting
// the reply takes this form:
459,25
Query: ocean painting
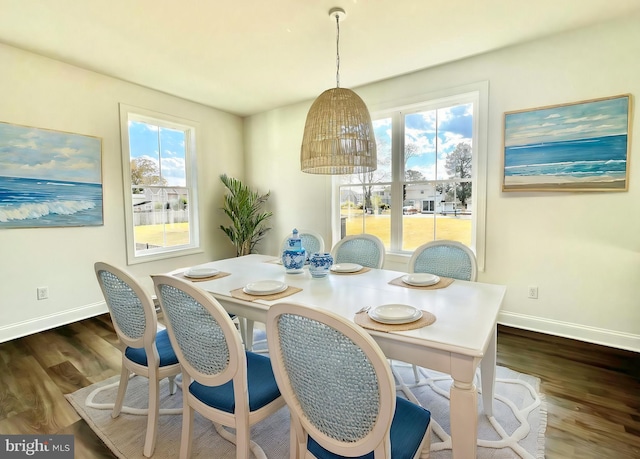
583,146
49,178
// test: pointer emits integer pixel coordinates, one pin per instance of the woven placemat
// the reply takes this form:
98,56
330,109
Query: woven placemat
239,293
202,279
444,282
361,271
363,319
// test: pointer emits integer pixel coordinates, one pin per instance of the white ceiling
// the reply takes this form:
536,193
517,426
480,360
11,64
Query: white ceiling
247,56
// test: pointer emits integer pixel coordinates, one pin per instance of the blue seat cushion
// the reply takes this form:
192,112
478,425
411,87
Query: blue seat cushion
262,387
408,428
165,351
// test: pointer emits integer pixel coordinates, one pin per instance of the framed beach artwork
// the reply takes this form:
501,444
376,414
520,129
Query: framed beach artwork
49,178
582,146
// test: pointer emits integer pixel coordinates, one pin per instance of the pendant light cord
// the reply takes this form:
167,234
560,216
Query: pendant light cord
337,50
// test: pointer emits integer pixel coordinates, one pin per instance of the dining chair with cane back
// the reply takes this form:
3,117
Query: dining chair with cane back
340,390
147,352
220,379
445,258
363,249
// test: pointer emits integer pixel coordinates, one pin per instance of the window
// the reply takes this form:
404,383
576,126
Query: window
158,154
430,181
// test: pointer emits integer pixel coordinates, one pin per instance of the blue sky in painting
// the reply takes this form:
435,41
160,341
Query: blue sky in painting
42,154
569,122
146,141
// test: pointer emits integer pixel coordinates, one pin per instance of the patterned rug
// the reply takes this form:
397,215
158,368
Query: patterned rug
516,429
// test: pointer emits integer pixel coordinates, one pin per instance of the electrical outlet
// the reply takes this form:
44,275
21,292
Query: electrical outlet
43,293
533,292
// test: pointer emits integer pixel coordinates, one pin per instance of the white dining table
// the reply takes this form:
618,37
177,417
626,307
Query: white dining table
462,338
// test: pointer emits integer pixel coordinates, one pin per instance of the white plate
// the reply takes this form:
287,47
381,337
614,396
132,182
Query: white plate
266,287
198,273
395,314
420,279
346,267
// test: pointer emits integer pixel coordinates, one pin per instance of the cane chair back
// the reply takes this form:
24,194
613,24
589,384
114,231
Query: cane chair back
445,258
221,381
339,389
363,249
148,352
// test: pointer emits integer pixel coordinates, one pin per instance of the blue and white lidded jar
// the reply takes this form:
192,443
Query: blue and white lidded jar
294,255
320,263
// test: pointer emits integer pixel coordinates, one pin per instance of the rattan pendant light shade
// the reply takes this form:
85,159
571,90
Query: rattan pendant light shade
338,135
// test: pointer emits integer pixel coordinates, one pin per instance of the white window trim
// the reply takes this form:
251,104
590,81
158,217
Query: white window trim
128,112
480,91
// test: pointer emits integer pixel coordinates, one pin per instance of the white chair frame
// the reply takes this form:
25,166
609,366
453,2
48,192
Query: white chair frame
243,418
152,371
378,439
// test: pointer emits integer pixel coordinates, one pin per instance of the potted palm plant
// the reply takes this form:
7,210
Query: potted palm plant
243,206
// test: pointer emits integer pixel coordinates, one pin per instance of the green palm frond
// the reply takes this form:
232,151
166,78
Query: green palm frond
243,207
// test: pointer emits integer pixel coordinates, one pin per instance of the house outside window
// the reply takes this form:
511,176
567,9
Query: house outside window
158,154
431,172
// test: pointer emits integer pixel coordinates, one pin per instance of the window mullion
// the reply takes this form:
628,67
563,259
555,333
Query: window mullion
397,173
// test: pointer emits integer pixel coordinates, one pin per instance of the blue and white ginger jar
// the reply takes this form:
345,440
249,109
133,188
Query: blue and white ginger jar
294,255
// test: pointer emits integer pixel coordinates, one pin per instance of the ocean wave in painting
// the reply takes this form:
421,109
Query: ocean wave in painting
575,168
29,203
601,159
42,209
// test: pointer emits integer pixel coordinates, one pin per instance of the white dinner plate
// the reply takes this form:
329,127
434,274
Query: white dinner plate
198,273
346,267
395,313
420,279
266,287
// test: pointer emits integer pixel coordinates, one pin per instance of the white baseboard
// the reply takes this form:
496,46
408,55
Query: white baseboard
28,327
595,335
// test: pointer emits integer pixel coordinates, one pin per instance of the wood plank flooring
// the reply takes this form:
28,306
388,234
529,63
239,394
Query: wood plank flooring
592,392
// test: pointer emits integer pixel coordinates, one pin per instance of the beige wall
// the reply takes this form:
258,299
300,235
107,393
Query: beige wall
582,250
40,92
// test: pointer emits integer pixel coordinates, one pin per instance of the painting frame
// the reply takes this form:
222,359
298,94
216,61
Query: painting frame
49,178
577,146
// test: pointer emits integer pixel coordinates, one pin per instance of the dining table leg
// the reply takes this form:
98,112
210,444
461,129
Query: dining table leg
246,331
248,334
488,374
463,410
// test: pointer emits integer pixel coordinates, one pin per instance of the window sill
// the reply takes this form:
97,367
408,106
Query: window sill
397,261
133,260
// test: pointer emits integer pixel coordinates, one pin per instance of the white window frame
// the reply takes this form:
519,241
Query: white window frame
479,93
191,129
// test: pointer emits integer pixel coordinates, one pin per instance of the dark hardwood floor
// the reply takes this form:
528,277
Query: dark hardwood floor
592,392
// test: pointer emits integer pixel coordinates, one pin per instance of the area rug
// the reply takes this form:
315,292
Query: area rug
516,429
